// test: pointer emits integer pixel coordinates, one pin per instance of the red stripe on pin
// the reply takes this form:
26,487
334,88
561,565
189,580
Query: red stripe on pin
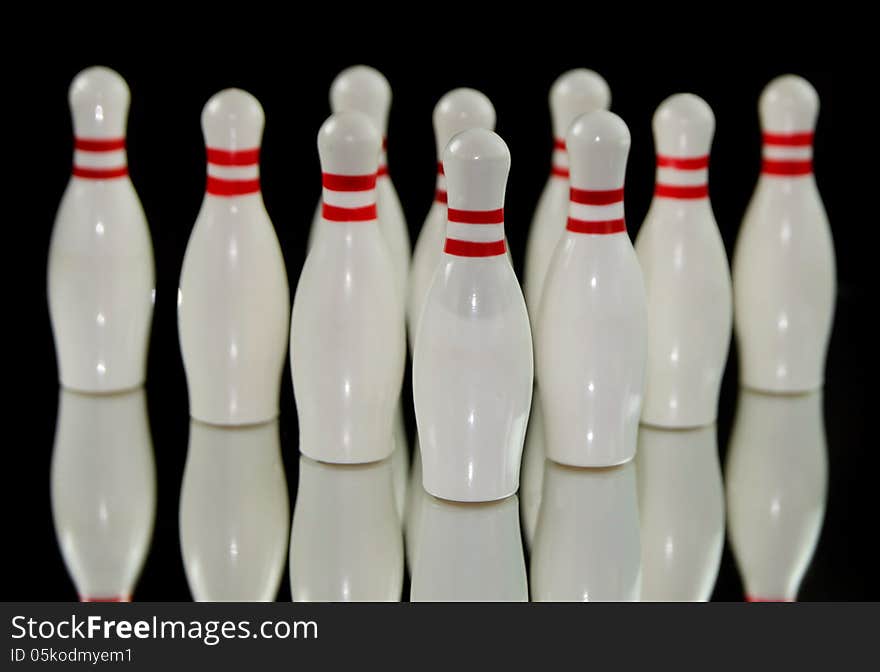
804,139
476,216
100,173
99,145
115,598
383,171
348,182
558,143
336,214
681,191
683,163
596,197
790,168
226,157
470,248
220,187
440,196
603,227
559,171
440,168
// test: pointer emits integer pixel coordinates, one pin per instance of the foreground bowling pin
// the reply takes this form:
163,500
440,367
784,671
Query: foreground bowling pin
784,280
346,543
101,276
348,342
469,553
681,510
234,513
777,479
586,546
457,111
684,265
103,491
361,88
233,304
591,335
472,365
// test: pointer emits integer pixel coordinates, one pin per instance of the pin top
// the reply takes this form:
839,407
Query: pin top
361,88
233,120
683,127
348,144
99,99
789,105
598,145
476,163
459,110
574,93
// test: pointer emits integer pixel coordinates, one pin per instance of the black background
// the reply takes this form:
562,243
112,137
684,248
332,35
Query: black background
170,85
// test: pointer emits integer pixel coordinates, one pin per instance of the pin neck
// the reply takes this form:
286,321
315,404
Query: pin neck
559,167
99,158
233,172
787,154
475,233
682,177
349,198
596,211
440,191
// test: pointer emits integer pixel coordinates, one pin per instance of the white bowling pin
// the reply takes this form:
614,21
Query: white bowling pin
681,509
457,111
776,478
469,553
415,495
348,342
233,303
101,275
345,543
103,491
687,280
472,365
234,513
400,463
586,546
361,88
532,471
591,336
784,281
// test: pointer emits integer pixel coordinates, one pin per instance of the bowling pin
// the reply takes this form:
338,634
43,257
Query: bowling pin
348,342
415,495
457,111
101,275
574,93
103,491
586,546
472,365
681,509
234,513
687,280
777,480
361,88
345,543
469,553
783,266
233,303
591,336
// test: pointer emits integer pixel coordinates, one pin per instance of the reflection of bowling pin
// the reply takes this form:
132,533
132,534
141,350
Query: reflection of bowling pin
101,274
233,304
457,111
783,264
234,513
472,365
681,507
347,339
776,477
469,552
574,93
415,495
686,275
103,491
586,545
363,89
591,342
346,543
